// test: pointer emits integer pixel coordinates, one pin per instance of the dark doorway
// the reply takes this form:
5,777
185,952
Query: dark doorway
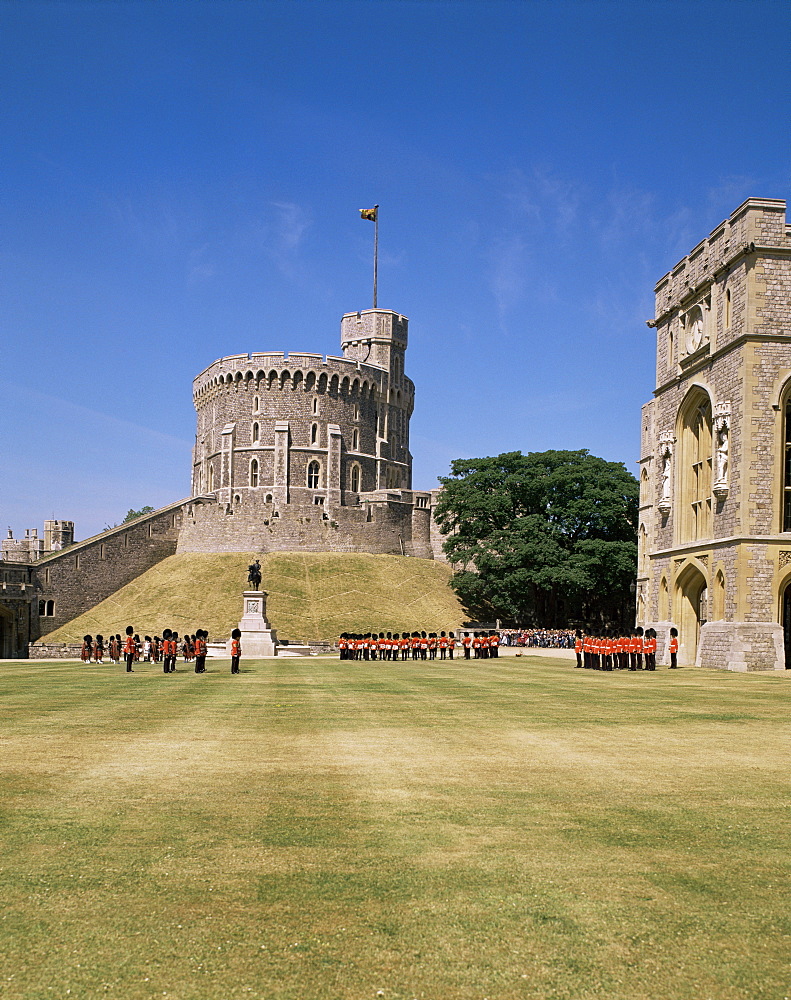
787,625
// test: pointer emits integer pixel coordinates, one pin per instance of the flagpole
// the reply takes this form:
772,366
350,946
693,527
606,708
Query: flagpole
376,248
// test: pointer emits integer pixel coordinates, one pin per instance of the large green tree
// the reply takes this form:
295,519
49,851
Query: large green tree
132,514
546,538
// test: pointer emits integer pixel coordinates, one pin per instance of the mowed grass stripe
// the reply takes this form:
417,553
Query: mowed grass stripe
314,828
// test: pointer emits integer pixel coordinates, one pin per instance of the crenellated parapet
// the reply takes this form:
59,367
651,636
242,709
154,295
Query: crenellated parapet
273,372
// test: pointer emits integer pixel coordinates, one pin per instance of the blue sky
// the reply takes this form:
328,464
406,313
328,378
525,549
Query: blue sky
180,181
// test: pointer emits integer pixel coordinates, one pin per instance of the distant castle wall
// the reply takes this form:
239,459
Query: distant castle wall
76,579
390,522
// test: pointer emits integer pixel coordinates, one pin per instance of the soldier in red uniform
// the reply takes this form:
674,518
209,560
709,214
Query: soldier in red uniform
494,644
200,651
130,647
578,646
640,646
236,650
673,648
651,663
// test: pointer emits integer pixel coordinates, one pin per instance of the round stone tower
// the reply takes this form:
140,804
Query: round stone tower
277,429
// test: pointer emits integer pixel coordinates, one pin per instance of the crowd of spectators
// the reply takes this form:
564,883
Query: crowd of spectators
544,638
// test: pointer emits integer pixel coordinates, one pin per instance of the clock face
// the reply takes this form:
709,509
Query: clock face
694,330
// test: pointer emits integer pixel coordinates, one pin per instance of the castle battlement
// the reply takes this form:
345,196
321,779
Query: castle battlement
757,223
295,370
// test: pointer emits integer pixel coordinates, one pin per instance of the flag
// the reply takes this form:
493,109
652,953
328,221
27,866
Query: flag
369,213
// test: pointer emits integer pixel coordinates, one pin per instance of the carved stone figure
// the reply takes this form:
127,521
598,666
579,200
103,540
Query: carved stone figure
722,423
666,456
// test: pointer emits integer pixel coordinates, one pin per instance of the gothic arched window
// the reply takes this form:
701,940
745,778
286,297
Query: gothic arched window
314,474
787,466
694,467
254,472
355,478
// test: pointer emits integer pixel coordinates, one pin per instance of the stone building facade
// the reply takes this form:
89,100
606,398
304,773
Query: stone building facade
715,481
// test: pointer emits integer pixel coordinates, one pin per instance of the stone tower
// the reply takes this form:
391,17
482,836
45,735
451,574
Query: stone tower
305,452
715,479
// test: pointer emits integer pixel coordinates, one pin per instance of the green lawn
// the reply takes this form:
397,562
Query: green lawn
318,829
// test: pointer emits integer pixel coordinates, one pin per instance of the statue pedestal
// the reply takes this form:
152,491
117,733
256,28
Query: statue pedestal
258,639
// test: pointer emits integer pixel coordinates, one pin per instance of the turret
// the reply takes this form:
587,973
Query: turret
376,337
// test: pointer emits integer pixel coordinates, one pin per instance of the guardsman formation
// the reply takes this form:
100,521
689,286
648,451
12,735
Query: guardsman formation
164,649
612,649
417,645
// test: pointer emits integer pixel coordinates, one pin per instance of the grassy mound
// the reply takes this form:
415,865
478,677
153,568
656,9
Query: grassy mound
312,596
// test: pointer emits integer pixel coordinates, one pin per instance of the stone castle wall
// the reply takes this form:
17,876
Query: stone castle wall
80,576
389,522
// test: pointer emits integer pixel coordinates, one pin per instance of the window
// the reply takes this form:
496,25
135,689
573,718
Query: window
356,440
102,552
314,433
695,466
256,403
77,560
355,479
719,596
42,608
314,472
787,469
254,472
315,404
664,600
256,433
727,309
318,501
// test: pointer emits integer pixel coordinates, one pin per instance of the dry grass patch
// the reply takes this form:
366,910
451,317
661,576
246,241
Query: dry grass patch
320,829
312,596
